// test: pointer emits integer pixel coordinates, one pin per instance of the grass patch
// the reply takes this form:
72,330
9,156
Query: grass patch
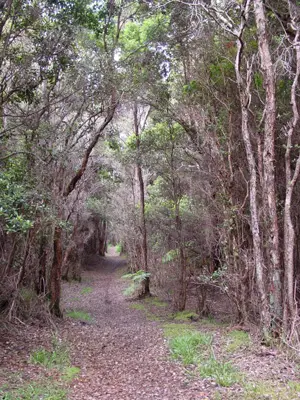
75,299
269,390
45,389
58,358
173,330
80,315
35,391
224,373
138,306
186,347
211,321
86,290
118,248
185,315
152,317
237,340
70,373
193,347
155,301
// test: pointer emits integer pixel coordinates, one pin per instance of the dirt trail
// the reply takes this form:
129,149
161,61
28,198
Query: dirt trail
122,356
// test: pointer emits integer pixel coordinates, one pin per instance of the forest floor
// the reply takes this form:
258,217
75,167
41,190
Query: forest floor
111,348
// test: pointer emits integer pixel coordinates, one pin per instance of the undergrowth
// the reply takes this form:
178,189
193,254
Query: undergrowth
86,290
224,373
155,301
119,248
193,347
79,314
185,315
187,346
46,388
137,306
136,280
269,390
58,357
237,340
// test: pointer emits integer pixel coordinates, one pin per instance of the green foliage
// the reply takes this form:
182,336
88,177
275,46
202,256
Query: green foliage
137,36
186,347
119,248
185,315
222,372
27,295
86,290
193,347
136,278
57,358
261,390
173,330
70,373
191,88
171,255
130,142
79,314
36,391
258,80
221,70
15,206
161,136
155,301
95,205
137,306
91,15
237,340
113,144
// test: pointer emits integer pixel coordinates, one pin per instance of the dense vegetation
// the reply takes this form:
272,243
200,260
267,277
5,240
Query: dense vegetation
170,127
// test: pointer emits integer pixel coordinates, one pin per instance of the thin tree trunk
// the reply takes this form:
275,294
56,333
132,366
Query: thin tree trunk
245,99
291,179
146,289
40,285
55,276
182,263
10,260
269,192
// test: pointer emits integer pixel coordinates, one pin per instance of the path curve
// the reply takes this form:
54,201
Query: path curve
122,355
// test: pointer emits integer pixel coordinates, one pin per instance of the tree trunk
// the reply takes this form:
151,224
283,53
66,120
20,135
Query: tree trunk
245,99
290,306
40,285
269,193
182,262
146,282
55,277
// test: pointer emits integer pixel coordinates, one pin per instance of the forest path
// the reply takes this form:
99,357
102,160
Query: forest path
121,355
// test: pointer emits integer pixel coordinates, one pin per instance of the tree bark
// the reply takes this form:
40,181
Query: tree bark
290,305
245,99
55,277
146,288
269,192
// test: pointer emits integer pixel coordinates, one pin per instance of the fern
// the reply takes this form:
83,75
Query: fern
136,279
